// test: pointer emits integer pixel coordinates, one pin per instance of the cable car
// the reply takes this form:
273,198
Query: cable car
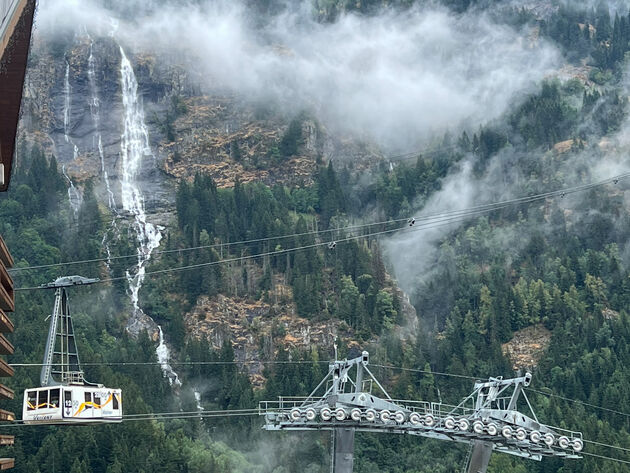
65,397
72,404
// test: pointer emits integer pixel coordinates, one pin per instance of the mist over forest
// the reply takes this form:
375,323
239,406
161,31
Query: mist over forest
395,77
259,185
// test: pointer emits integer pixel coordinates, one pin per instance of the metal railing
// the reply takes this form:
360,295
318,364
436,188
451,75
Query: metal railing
284,405
280,411
72,377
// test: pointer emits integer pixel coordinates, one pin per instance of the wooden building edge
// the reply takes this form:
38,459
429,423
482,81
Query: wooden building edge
16,28
15,42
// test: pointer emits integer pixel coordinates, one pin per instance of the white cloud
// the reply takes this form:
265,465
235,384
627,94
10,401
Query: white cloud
394,77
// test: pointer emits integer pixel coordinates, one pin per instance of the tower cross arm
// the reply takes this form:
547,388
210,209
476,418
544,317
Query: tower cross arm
68,281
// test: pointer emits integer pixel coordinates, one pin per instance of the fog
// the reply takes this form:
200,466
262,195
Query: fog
615,6
415,256
415,253
393,78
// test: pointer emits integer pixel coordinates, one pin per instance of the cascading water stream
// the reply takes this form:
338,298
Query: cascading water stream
66,104
74,196
134,148
164,355
197,395
95,112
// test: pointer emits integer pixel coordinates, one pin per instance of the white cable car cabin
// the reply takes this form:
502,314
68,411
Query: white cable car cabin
65,397
72,404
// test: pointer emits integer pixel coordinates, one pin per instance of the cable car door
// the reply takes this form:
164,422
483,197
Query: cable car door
67,403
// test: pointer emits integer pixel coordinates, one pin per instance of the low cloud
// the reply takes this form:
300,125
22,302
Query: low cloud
395,78
415,255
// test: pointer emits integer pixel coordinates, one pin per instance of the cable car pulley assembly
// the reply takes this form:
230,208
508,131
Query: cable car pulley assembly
488,419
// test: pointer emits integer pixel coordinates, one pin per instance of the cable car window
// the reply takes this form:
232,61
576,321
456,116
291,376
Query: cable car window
115,401
97,401
88,398
42,399
54,398
31,400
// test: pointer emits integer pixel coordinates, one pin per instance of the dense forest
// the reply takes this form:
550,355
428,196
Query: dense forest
560,263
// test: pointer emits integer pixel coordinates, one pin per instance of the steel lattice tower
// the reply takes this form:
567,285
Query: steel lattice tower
61,357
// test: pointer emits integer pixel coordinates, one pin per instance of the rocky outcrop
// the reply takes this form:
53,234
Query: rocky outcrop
73,109
257,328
140,322
224,137
527,346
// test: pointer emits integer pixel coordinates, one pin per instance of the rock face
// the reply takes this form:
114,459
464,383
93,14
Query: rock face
566,146
74,110
140,322
229,138
223,137
255,327
527,347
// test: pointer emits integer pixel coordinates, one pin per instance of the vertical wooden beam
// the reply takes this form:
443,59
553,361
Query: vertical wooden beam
7,302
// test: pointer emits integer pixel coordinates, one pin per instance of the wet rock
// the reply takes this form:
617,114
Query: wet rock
140,322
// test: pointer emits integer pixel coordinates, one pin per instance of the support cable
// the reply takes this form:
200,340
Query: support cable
603,457
461,212
605,445
612,411
435,373
179,363
443,222
161,416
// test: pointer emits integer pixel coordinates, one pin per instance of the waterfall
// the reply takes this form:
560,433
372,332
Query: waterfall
94,102
95,112
134,148
197,395
74,196
164,355
66,104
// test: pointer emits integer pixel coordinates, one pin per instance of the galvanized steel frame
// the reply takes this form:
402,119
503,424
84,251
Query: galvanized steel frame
491,422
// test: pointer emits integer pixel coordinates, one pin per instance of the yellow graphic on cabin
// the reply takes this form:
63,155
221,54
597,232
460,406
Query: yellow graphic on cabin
39,406
87,404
